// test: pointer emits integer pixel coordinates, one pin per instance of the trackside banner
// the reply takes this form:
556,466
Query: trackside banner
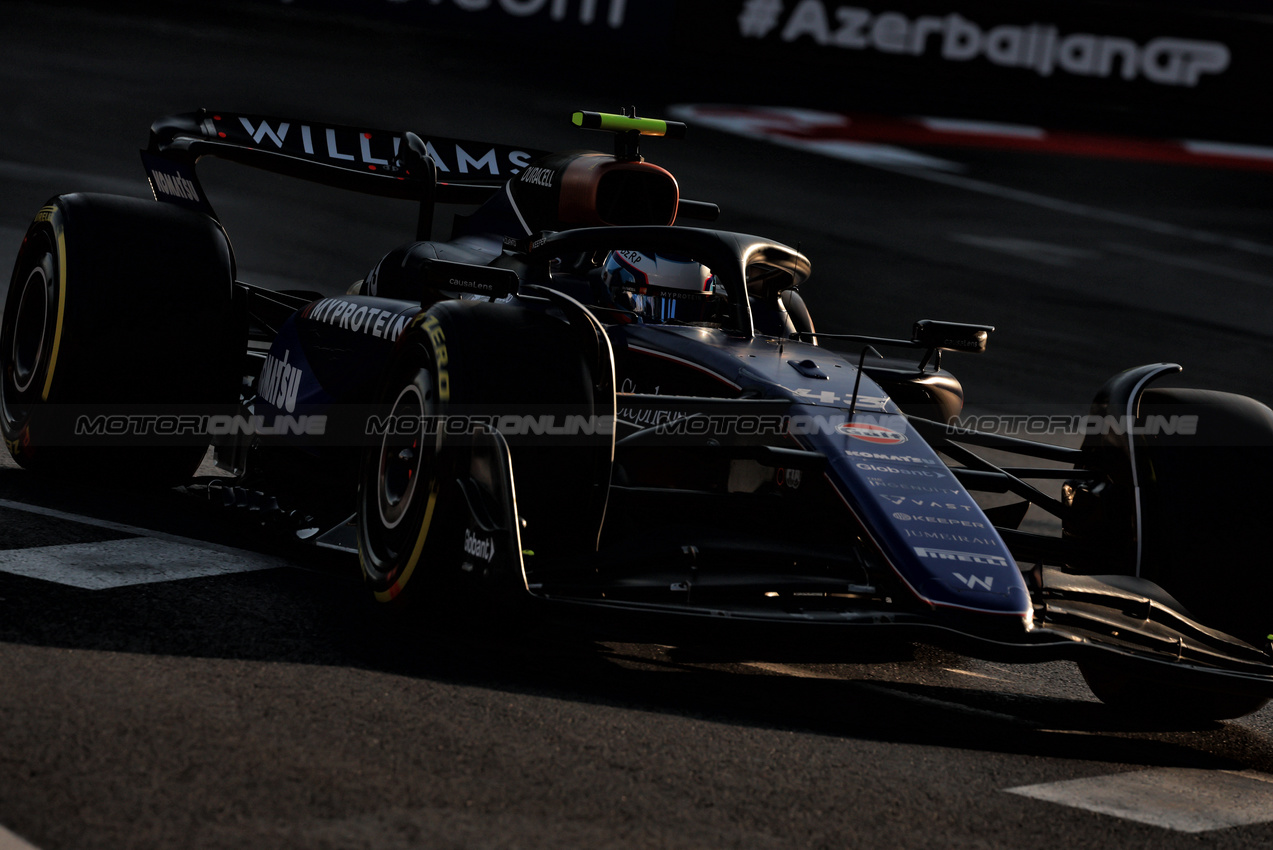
1168,67
1160,67
1058,42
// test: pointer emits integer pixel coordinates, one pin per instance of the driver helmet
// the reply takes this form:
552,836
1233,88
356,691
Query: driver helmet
662,287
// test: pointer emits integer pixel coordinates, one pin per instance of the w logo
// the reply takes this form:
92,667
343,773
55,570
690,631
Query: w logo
264,130
973,581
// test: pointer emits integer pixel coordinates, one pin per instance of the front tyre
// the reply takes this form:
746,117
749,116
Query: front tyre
1180,507
436,516
405,518
1143,698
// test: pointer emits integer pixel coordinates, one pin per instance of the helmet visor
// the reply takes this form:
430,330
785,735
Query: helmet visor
662,288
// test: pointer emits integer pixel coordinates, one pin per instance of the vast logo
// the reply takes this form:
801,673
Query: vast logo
1039,46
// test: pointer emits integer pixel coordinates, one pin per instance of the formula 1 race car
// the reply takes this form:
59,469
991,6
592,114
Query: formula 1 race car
577,403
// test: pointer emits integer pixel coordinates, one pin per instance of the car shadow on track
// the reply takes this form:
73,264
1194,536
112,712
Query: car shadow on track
318,613
322,616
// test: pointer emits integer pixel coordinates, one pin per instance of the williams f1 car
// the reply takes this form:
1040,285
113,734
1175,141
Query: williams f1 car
576,401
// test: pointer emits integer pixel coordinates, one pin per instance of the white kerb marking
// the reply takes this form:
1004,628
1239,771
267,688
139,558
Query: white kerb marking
150,557
1183,799
1190,264
9,841
983,128
120,563
1227,149
905,696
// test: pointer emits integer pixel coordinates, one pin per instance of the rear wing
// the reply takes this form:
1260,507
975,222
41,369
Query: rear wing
387,163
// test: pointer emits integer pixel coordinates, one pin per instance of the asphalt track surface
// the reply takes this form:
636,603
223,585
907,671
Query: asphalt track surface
262,703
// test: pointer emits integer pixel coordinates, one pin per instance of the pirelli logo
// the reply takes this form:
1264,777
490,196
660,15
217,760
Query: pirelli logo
962,557
440,359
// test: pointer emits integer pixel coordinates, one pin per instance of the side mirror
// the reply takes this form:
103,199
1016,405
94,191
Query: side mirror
951,336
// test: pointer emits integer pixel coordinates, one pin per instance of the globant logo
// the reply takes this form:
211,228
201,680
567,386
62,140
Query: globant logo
1039,46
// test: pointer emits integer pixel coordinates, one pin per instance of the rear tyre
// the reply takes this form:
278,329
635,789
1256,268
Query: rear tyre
496,362
118,307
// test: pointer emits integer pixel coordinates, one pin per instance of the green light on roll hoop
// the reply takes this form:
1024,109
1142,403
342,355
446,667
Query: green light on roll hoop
625,124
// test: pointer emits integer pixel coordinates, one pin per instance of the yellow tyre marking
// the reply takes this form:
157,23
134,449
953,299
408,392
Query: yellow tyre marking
437,341
392,593
55,219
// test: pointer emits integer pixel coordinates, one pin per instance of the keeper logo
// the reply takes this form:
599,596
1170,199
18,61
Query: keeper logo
1041,47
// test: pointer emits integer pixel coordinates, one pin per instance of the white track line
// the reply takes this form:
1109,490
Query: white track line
1189,264
945,705
976,675
1085,211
